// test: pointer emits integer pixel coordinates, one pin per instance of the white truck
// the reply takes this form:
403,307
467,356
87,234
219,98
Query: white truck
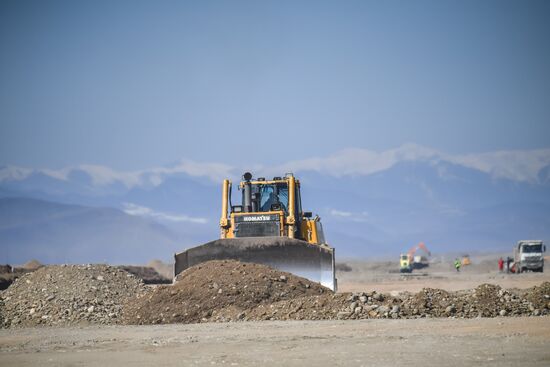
528,256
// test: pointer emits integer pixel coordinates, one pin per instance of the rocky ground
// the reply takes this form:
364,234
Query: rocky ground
221,291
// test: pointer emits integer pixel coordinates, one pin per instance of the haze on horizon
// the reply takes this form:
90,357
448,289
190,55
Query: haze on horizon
137,84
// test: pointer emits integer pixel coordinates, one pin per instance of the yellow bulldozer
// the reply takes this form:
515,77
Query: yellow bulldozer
268,227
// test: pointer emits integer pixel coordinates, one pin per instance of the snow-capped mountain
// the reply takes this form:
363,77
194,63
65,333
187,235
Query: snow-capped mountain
372,203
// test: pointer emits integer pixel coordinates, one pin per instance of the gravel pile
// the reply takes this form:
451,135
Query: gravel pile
485,301
68,295
539,296
220,290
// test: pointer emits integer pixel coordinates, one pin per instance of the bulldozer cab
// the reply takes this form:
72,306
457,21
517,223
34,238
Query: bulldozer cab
268,208
268,227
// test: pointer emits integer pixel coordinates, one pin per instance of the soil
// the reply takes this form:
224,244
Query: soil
218,290
502,342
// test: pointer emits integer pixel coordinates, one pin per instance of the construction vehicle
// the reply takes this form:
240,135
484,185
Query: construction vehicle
404,264
268,227
528,256
410,261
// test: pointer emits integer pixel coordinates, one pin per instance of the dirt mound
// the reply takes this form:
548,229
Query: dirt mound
32,265
228,290
68,295
220,290
485,301
429,301
539,296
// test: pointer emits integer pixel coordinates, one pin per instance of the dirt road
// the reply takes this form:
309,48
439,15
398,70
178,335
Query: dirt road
421,342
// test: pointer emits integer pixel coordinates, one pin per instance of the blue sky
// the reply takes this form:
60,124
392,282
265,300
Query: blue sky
134,84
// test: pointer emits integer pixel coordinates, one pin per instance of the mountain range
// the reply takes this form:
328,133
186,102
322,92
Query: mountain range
372,204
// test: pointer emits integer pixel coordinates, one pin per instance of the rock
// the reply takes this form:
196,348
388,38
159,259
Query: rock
100,277
382,309
357,310
282,278
395,309
353,305
536,312
343,315
363,299
450,309
502,313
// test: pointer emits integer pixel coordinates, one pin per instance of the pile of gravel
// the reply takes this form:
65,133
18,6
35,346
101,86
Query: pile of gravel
486,300
68,295
219,290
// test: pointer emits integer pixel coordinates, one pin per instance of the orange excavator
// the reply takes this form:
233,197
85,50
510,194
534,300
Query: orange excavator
411,260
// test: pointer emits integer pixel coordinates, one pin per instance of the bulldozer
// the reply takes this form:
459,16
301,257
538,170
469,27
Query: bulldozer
269,227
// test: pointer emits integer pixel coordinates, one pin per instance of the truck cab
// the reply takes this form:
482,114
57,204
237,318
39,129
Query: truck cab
404,263
528,256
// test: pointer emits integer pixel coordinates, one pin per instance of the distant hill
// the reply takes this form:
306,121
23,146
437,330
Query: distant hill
371,204
54,233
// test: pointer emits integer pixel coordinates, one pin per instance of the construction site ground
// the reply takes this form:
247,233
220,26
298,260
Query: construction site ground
217,323
384,276
422,342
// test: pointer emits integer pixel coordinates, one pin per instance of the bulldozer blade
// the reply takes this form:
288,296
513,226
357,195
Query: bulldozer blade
313,262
